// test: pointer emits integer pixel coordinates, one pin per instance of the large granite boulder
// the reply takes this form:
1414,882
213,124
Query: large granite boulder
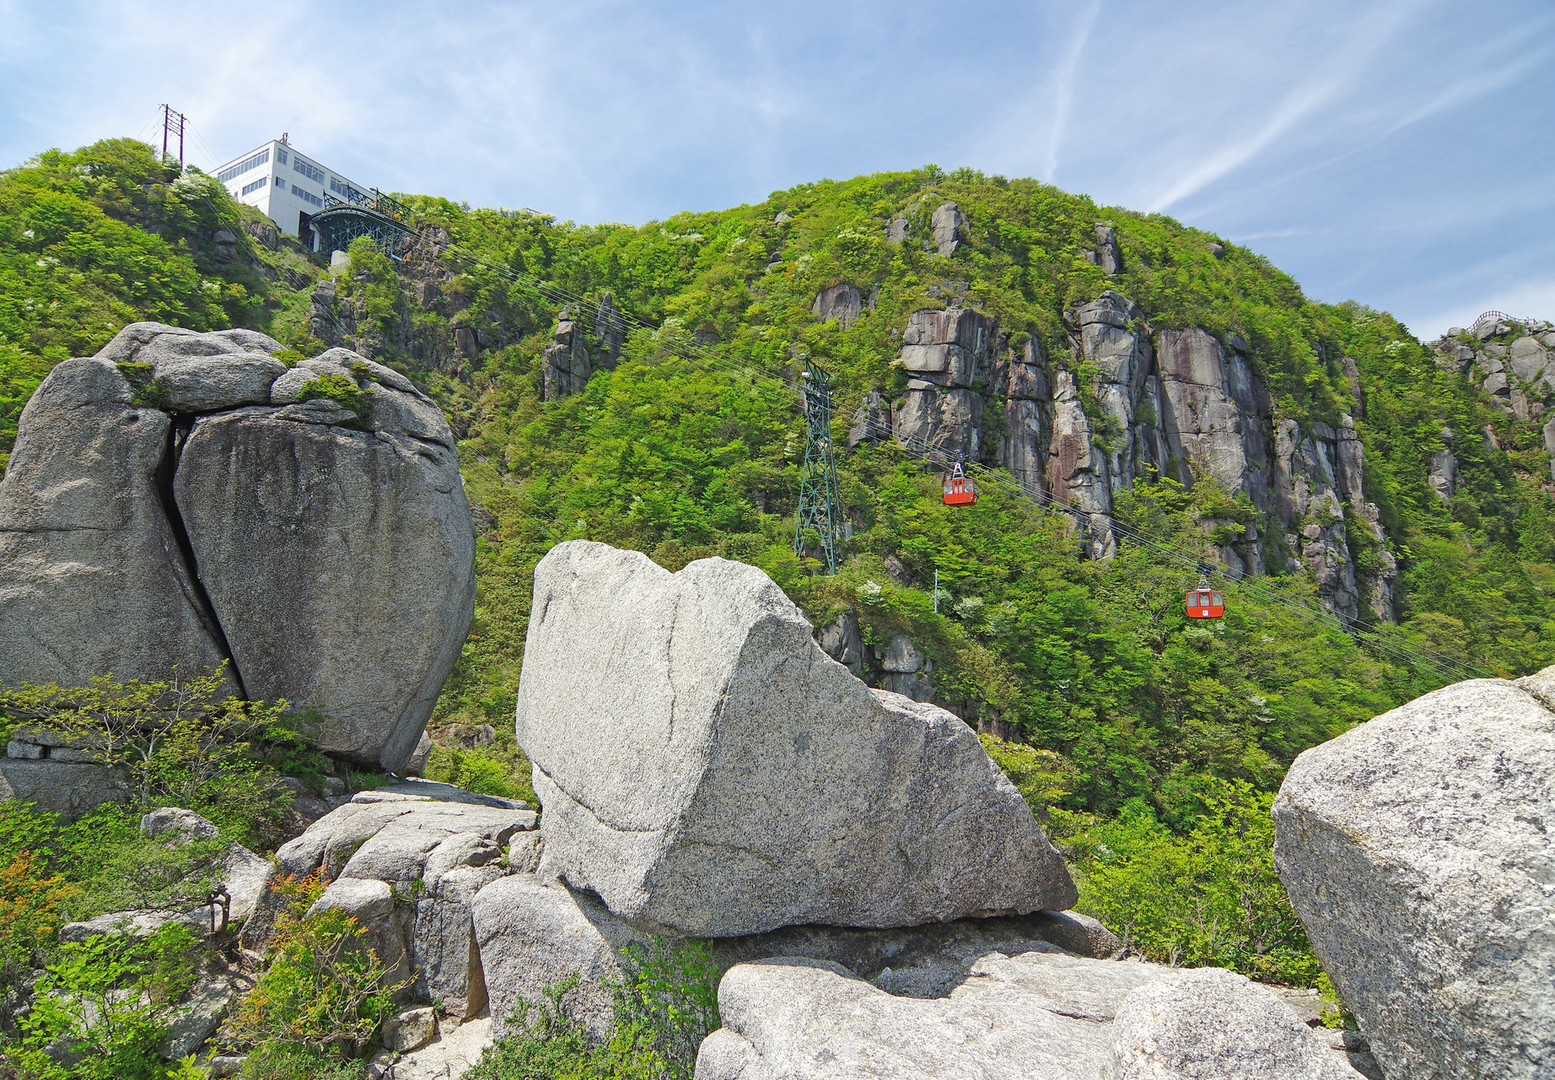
184,499
1031,1016
86,548
707,769
1416,849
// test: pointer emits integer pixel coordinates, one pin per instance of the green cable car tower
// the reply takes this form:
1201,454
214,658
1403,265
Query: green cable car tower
820,508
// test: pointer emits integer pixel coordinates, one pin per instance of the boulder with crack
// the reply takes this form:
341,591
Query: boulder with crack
307,526
707,769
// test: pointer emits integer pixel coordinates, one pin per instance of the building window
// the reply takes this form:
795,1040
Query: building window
307,196
346,191
256,185
279,182
280,156
309,170
245,165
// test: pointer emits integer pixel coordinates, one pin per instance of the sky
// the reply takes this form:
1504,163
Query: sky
1398,152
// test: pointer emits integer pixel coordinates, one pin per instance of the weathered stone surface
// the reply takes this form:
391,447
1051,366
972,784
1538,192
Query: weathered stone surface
410,1030
448,1057
1212,1023
447,961
1021,1020
1031,1016
86,546
167,819
198,1016
706,768
135,924
341,571
532,932
343,833
843,303
63,788
1078,934
1107,255
948,222
1416,851
336,561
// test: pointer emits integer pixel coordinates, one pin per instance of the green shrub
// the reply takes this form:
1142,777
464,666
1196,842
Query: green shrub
341,389
181,742
481,771
110,999
291,1061
1207,897
665,1005
1041,776
323,989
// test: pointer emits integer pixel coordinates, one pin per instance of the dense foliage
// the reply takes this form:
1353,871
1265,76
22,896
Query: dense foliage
1143,724
665,1004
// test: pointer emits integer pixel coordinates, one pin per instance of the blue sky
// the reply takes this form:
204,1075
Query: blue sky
1401,153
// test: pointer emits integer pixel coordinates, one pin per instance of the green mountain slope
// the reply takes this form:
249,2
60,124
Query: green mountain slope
1091,659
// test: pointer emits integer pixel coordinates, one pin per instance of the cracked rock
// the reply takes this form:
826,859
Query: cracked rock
707,769
322,550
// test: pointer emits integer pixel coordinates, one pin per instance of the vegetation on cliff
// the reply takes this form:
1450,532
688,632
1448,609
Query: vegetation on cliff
1160,729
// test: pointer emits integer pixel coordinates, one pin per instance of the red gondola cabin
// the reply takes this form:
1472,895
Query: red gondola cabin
1205,604
959,490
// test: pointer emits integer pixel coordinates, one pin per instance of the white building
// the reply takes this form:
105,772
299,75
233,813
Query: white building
286,185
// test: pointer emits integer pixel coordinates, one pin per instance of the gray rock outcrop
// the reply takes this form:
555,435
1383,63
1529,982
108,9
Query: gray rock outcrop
948,223
1416,850
194,488
438,854
1031,1016
1209,1022
533,933
706,769
1128,403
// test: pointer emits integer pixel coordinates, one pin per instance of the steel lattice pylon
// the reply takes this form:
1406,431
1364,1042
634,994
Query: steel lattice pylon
820,507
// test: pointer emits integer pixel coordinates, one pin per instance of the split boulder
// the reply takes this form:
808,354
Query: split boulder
183,499
707,769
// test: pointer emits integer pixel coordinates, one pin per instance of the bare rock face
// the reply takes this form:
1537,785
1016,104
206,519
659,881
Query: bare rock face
842,302
1036,1015
185,499
1416,849
533,933
948,222
85,542
706,769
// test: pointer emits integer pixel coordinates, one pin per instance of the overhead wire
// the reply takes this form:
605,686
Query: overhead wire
1247,584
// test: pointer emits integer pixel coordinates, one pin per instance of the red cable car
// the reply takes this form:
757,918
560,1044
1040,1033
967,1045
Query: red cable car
959,489
1204,602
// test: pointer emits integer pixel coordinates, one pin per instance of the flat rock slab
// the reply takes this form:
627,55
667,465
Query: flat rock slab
533,933
1033,1016
1416,849
707,769
339,836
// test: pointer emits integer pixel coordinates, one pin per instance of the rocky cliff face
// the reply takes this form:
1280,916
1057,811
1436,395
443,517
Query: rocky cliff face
1514,362
1129,402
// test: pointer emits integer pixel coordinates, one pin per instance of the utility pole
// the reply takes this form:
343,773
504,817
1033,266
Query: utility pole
173,121
820,507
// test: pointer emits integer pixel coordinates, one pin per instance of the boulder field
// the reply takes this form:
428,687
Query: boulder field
304,524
